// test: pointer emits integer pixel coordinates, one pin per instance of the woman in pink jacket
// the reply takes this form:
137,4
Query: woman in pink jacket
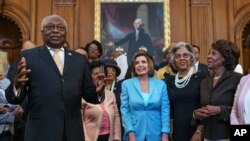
241,109
101,122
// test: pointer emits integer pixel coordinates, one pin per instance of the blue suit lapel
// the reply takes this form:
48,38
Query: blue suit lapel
151,89
137,86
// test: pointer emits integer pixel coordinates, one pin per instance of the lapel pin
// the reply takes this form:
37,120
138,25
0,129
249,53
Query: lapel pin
69,54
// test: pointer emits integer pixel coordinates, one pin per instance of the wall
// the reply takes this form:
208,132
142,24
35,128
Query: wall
197,21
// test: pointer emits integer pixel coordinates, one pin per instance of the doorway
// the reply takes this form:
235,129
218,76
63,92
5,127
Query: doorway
10,37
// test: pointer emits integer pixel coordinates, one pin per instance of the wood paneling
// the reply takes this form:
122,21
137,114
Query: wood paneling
220,19
179,20
199,22
86,26
201,26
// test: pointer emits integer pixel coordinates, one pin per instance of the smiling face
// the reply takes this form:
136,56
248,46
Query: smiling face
54,32
214,59
182,59
111,73
141,66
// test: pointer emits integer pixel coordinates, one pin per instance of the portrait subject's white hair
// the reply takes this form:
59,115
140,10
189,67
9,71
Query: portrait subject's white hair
45,21
138,20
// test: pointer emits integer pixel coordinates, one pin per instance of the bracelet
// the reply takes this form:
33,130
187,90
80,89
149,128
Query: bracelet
194,116
198,131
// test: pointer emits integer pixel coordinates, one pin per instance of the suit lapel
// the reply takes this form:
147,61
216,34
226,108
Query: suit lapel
151,89
224,76
137,87
139,91
67,60
46,56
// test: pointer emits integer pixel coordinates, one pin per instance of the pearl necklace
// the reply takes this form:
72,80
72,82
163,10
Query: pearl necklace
181,83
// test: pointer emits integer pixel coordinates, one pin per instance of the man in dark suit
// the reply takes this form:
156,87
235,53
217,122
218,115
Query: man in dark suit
199,66
53,88
138,38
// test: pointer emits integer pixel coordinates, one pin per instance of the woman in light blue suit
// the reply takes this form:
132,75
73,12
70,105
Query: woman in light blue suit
144,103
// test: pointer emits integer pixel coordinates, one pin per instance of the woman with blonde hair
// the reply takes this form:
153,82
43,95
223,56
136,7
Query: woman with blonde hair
144,103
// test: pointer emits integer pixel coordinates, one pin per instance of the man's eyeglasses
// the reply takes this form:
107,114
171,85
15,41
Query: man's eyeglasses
58,27
184,55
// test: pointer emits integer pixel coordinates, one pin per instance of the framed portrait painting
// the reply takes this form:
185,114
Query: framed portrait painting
131,25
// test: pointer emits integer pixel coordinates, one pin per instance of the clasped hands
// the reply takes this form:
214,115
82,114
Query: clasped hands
206,111
18,110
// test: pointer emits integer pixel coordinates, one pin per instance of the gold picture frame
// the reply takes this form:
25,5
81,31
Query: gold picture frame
165,13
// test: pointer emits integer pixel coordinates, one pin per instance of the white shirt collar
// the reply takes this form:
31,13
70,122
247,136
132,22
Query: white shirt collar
50,48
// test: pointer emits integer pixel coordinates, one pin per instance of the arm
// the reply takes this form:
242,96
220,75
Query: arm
234,116
19,83
197,136
117,123
7,118
125,110
124,40
165,113
221,112
89,89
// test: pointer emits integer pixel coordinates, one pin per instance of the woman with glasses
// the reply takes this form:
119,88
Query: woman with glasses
217,93
184,91
94,50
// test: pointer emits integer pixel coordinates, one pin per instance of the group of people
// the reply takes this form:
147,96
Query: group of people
70,95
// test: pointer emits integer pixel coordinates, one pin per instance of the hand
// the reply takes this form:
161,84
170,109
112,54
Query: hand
213,110
201,113
131,136
109,43
171,136
100,82
164,137
196,137
3,109
21,76
18,112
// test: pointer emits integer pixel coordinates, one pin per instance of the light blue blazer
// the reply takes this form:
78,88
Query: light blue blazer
145,121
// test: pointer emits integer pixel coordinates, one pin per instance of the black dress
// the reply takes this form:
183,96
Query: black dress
183,102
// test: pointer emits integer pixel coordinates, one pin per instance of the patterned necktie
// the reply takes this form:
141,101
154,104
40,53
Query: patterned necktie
57,59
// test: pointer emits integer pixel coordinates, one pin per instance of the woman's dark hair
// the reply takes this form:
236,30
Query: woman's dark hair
98,44
228,52
149,59
95,64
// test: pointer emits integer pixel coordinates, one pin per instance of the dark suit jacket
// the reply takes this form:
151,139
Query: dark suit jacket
133,45
203,68
55,99
222,94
